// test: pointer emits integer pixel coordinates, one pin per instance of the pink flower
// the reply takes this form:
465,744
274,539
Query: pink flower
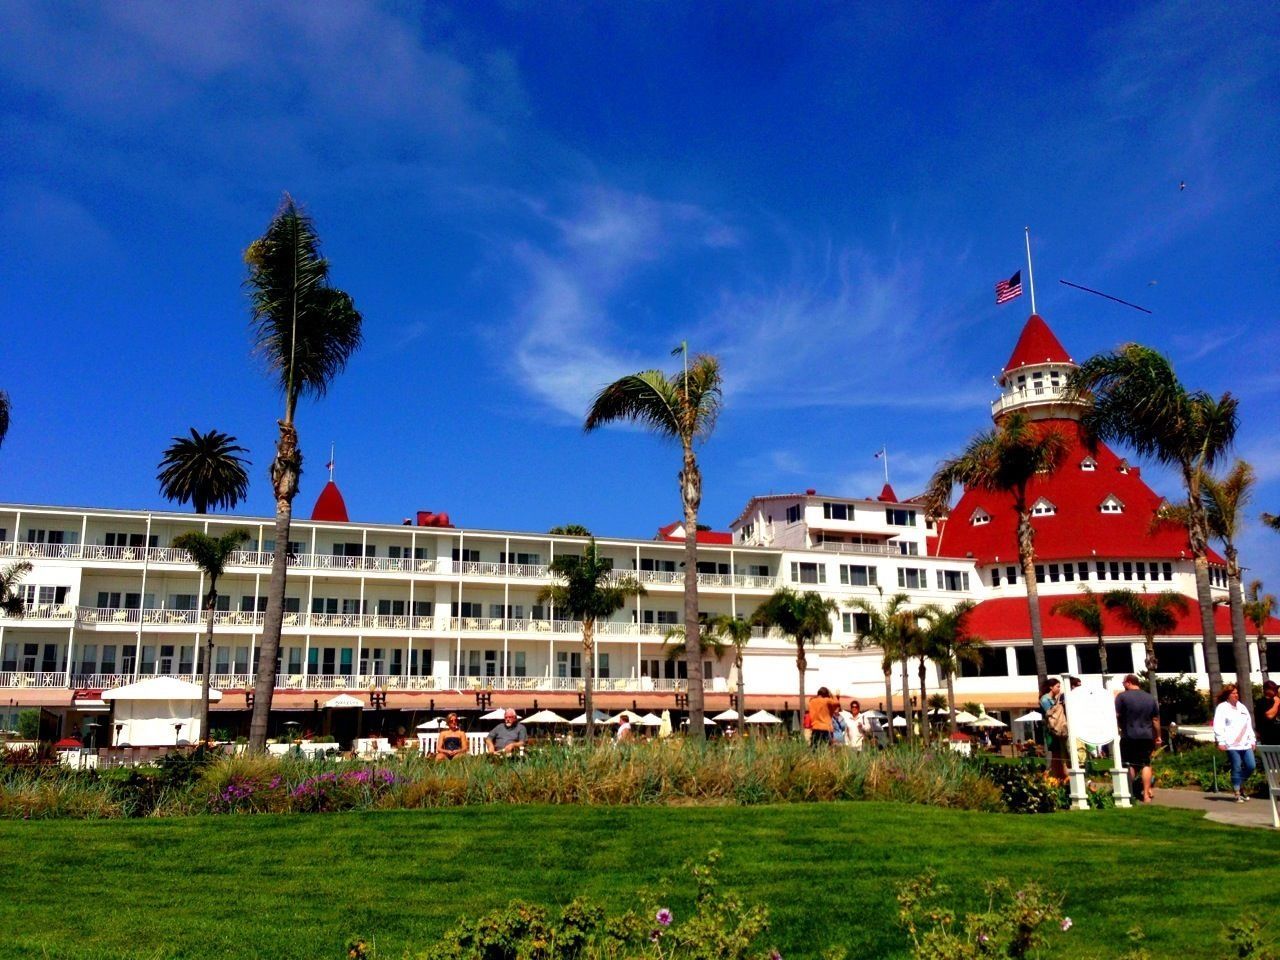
1066,924
664,917
775,955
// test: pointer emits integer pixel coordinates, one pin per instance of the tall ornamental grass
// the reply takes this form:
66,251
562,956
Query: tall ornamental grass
659,773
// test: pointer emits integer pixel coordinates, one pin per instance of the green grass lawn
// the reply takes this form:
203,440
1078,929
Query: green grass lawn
296,886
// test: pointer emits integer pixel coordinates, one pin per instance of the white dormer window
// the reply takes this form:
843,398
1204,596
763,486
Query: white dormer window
1043,508
1111,504
979,517
1124,466
1089,464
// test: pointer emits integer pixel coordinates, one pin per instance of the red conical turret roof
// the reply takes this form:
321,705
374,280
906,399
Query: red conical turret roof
1037,344
887,495
330,507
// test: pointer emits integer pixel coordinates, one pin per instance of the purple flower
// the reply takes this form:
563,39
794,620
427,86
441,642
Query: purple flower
983,938
655,936
664,917
1066,924
774,955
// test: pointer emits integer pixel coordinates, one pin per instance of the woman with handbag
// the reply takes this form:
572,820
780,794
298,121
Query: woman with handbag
1055,744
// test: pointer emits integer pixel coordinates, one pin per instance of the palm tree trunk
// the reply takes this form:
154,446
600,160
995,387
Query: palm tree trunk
742,696
285,471
1262,656
1152,665
691,493
589,676
906,698
1027,556
924,704
802,664
888,699
1102,656
1239,639
951,703
210,603
1198,534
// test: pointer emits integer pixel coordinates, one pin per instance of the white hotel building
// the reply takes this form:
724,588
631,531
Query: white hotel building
437,617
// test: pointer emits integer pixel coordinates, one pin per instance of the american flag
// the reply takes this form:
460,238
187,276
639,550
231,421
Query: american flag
1007,290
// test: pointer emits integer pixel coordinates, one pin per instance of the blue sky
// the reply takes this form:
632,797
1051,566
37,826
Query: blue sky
527,200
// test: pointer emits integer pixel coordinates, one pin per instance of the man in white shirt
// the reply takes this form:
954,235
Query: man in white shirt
857,727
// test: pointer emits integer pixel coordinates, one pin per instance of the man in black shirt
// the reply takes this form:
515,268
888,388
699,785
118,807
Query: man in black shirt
1266,714
1138,715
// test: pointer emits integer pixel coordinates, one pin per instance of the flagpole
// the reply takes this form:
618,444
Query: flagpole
884,455
1031,277
332,445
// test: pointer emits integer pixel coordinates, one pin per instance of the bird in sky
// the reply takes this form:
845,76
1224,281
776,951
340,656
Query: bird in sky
1182,184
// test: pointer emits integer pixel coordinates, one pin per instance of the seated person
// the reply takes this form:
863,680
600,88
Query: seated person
509,736
452,742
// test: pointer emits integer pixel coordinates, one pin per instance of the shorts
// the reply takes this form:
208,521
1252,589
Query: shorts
1136,753
820,736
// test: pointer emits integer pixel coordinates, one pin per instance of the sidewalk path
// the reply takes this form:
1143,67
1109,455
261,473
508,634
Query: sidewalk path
1220,807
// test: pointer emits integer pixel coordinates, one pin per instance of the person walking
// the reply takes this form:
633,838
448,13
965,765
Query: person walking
822,707
1267,712
857,727
1138,716
1055,746
1233,729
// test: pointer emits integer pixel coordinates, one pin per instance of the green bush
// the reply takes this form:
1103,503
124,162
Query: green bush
1025,786
29,724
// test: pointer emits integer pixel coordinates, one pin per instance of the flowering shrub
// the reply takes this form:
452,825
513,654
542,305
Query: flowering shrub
347,790
1027,788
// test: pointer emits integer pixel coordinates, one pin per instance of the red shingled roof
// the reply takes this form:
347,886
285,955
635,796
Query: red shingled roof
1005,618
330,507
887,495
704,536
1078,530
1037,344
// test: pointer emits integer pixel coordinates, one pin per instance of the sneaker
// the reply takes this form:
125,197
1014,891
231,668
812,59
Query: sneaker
1239,799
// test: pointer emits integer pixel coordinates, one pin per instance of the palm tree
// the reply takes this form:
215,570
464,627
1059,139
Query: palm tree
948,643
682,406
204,470
210,554
1149,616
4,415
588,591
570,530
1134,397
722,632
11,601
1006,460
1271,520
804,617
307,331
887,629
1224,505
1086,610
1258,608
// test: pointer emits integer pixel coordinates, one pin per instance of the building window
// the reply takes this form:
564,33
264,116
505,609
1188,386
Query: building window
1082,569
856,575
913,578
1168,570
794,513
908,548
1111,505
1012,574
953,580
995,576
748,531
979,517
899,518
1043,508
1088,464
836,511
808,573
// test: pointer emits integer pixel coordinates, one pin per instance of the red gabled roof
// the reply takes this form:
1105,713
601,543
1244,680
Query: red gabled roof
704,536
1078,530
330,507
1006,618
887,495
1037,344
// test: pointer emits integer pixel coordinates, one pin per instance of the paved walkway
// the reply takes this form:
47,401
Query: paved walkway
1220,807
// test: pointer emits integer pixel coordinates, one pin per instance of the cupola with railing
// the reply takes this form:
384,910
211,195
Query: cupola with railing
1034,380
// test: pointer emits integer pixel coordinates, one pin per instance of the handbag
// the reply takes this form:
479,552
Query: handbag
1057,719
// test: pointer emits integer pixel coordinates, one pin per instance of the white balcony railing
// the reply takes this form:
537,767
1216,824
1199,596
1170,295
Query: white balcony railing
869,549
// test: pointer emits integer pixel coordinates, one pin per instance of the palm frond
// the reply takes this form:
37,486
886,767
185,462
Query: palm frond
4,415
10,599
647,398
209,553
1225,499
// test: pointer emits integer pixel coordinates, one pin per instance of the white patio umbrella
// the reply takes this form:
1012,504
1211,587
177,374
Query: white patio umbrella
964,716
987,720
873,714
629,714
546,716
706,722
728,715
497,713
664,730
899,721
581,719
342,701
1032,716
650,720
762,716
431,725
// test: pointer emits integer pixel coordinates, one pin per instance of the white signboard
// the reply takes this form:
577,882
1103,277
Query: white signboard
1091,711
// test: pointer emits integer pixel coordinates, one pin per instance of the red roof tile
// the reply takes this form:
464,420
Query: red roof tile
1077,530
1006,618
887,495
1037,344
330,507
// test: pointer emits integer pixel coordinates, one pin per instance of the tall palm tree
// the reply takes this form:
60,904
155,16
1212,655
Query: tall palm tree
684,407
1005,460
205,470
1134,397
948,643
888,630
4,415
210,554
1149,616
11,601
804,617
307,331
722,632
1086,610
1224,507
587,590
1258,608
